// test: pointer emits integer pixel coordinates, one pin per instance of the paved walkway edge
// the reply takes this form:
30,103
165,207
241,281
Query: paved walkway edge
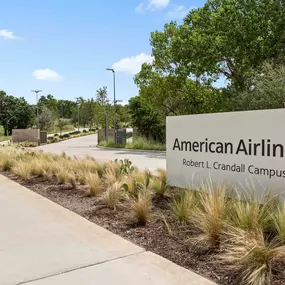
74,250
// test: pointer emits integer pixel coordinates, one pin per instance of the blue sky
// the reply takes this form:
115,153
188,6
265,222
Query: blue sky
64,47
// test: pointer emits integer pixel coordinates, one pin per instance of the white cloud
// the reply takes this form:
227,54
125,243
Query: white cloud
152,5
46,74
177,12
132,64
8,35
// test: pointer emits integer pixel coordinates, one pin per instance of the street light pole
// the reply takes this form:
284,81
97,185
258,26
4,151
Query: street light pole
78,117
115,123
37,92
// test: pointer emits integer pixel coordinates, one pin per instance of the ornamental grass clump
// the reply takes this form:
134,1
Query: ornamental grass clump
250,212
250,256
141,208
93,181
22,169
210,213
183,206
113,195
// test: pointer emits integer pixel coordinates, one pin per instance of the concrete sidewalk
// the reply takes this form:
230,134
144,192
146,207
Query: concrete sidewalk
42,243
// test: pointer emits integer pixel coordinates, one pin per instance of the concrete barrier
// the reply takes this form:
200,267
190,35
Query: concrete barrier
25,135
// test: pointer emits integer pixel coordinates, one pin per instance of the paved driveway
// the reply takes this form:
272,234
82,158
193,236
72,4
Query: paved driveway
83,146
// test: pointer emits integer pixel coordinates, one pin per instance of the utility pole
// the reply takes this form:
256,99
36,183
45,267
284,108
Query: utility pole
114,82
37,92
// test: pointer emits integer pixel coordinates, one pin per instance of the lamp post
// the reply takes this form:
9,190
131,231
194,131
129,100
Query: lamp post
114,82
37,92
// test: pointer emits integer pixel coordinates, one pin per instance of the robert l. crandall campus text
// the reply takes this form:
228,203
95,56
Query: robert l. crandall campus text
263,148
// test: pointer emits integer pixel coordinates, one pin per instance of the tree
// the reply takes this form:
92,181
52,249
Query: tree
102,96
15,113
45,118
61,123
231,38
266,91
178,95
146,120
66,108
102,106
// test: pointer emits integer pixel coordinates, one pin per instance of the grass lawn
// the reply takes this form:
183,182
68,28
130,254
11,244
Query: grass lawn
4,138
138,143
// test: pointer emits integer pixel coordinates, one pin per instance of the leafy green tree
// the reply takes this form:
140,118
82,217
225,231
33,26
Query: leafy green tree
177,95
146,120
266,90
15,113
61,123
45,118
231,38
102,107
102,96
66,108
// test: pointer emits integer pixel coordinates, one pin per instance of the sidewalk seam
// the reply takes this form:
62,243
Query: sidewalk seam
81,267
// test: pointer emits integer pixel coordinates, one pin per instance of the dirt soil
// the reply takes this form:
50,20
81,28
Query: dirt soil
163,235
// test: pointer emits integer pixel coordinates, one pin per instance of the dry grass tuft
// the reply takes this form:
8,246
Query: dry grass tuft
249,255
94,183
113,195
141,208
8,163
109,177
159,186
247,213
22,169
209,214
183,206
278,218
62,174
72,181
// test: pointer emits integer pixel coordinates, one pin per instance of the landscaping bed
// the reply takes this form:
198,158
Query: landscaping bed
153,223
138,143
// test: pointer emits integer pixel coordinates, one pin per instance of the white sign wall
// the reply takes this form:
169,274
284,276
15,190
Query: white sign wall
233,148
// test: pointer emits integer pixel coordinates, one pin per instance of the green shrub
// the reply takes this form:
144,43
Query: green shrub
66,136
85,131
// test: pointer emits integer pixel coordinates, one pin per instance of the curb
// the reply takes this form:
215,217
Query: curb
133,149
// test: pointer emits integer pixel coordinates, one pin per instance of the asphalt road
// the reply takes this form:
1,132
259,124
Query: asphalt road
83,146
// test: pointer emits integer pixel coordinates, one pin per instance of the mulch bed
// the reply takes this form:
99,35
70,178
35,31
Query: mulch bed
170,240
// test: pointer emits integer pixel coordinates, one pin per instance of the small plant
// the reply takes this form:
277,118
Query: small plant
7,164
247,213
94,183
130,186
85,131
210,212
250,255
62,175
279,223
113,195
159,186
141,208
183,206
22,170
125,166
100,168
109,178
72,181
